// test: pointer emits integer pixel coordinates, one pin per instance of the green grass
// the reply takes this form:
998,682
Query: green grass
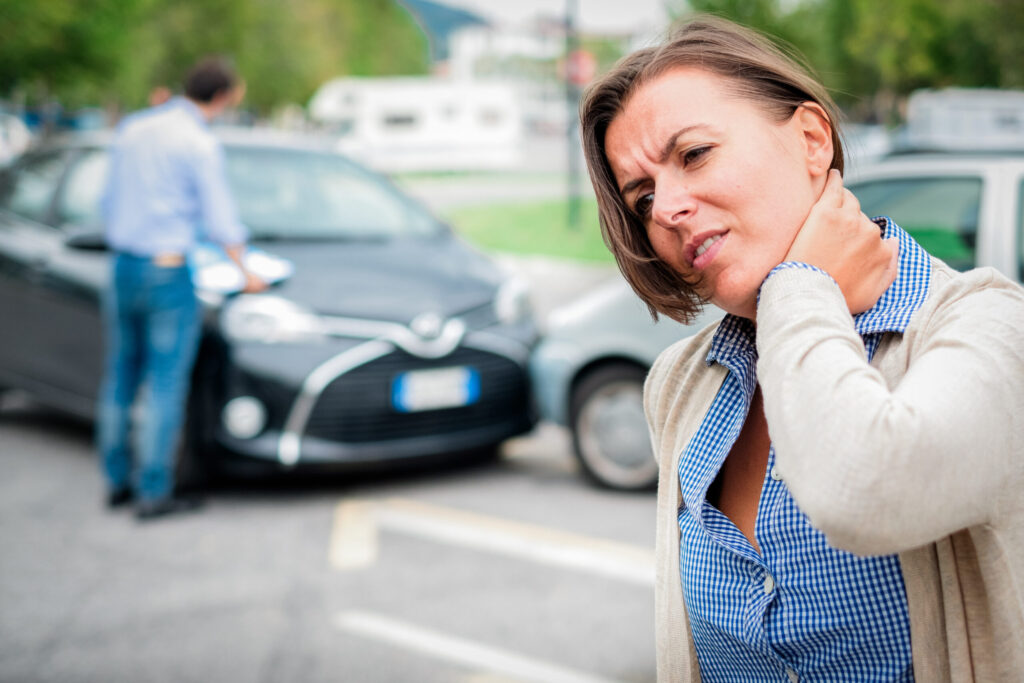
537,227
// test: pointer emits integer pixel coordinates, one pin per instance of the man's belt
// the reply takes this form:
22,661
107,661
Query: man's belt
168,260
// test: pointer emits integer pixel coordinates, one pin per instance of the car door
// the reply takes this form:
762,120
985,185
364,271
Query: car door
941,212
76,274
27,242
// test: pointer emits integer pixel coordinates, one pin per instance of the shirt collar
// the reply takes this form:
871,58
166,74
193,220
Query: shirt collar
733,336
736,336
892,312
189,106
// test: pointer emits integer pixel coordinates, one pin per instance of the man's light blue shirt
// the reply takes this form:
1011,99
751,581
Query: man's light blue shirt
167,187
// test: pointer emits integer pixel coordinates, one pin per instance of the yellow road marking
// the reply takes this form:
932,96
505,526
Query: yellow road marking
354,538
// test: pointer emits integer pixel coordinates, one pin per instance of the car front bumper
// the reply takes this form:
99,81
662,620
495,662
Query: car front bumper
333,405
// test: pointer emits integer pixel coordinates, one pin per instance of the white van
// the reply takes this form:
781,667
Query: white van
423,123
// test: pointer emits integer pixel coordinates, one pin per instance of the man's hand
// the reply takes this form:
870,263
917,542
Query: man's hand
846,244
253,284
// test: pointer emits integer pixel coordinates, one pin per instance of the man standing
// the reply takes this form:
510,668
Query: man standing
167,188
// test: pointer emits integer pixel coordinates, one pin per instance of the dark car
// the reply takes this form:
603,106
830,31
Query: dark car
392,341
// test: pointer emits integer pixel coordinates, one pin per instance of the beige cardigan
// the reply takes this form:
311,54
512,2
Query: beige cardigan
920,453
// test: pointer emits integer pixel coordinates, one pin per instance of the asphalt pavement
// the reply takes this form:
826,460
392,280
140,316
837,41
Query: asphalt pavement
515,570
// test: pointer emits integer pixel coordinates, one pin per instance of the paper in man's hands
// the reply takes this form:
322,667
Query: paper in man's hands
214,271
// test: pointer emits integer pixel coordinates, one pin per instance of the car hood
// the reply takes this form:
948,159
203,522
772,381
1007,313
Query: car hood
394,279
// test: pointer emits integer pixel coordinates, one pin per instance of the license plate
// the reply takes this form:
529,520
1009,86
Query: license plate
435,389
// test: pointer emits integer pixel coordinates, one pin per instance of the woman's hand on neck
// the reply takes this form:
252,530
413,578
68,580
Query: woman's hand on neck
847,245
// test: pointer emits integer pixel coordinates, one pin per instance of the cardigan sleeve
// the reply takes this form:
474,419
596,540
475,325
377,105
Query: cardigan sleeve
884,466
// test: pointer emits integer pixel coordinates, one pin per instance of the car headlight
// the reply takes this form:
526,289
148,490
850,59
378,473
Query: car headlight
512,302
271,320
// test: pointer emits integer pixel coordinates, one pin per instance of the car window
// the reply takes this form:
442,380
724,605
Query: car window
940,213
79,203
31,184
308,195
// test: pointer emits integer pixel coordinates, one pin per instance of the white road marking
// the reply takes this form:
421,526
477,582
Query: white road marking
458,650
356,523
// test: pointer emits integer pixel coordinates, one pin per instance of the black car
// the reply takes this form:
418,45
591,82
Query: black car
393,340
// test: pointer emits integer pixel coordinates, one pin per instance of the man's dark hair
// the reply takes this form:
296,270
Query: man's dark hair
210,77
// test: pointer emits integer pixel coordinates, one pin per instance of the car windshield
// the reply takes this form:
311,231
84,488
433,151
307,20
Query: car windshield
294,194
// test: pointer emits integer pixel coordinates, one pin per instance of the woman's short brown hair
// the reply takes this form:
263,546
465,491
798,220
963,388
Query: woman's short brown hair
756,70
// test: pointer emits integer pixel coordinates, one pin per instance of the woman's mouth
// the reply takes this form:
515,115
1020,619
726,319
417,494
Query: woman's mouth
706,250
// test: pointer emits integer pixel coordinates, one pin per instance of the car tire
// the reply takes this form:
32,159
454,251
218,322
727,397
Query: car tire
191,472
195,465
609,431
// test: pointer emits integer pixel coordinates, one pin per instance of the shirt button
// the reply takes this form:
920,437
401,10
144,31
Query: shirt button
793,676
775,473
769,584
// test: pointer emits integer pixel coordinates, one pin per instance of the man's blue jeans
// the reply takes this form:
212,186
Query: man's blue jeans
153,322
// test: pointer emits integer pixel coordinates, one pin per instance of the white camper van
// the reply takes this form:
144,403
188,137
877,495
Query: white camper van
964,120
418,124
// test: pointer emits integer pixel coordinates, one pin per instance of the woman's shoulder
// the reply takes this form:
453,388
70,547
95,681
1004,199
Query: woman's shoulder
980,292
981,305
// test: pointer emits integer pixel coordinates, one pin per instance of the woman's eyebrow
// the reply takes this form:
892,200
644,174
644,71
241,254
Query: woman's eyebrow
666,150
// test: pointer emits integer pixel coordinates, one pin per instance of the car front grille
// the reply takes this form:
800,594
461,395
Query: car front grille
356,407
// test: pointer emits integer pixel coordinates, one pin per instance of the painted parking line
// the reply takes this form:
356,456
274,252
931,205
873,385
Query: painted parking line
354,538
484,658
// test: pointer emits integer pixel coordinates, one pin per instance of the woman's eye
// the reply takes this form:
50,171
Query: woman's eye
694,155
643,204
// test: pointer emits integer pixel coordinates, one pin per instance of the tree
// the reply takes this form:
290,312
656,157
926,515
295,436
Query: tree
115,51
873,56
63,47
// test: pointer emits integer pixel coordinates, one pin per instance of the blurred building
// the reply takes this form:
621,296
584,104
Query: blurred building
969,119
421,124
493,85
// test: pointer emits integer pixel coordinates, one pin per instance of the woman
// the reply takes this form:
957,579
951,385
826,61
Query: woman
840,495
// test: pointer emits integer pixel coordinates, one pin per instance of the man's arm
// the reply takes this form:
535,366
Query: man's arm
219,212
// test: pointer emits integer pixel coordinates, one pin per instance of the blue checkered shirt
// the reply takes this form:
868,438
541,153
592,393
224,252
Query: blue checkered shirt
799,610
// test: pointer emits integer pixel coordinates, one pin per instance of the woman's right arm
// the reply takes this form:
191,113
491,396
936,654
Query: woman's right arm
879,468
882,468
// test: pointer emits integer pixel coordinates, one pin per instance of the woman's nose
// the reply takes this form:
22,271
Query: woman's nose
673,204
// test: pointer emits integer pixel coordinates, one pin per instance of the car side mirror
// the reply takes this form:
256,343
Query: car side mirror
88,241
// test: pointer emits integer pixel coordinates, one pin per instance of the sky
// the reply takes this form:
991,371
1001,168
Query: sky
593,15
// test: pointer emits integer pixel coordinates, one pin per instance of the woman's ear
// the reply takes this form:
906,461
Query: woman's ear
816,131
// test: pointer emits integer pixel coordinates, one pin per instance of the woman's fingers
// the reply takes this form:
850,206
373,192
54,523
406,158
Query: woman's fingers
850,201
846,244
832,195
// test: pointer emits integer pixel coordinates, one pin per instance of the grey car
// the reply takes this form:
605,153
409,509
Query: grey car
588,374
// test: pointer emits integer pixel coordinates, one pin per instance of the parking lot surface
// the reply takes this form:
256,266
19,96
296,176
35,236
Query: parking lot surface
515,570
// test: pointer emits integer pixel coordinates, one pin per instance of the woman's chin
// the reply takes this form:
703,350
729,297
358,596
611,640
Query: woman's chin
743,305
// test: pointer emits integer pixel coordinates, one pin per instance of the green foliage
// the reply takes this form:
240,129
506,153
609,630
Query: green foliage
56,46
606,51
538,227
115,51
873,54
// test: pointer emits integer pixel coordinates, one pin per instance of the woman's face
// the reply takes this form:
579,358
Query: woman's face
722,189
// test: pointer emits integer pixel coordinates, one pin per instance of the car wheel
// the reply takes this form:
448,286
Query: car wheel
609,431
195,467
191,472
